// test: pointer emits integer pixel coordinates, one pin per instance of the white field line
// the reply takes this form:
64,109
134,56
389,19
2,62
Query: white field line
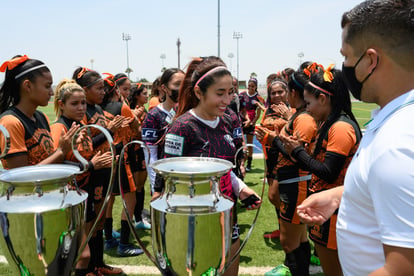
145,269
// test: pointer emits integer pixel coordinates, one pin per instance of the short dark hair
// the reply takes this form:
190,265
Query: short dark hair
388,24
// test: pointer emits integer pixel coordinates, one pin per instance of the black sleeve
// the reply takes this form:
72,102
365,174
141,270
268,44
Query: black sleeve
277,143
159,183
99,139
329,170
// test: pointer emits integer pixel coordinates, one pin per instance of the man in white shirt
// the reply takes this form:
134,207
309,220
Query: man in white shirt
375,228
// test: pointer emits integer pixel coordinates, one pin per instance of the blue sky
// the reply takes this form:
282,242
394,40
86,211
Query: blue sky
67,34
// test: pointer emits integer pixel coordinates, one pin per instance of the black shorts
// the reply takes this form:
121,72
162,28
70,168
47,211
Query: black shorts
249,130
325,234
140,165
127,180
95,188
292,195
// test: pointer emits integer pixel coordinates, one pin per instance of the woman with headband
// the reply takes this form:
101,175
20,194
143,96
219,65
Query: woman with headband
70,107
113,107
328,102
137,100
291,181
93,85
275,116
250,105
201,128
28,85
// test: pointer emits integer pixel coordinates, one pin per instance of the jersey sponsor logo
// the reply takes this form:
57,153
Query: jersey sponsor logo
149,134
229,140
237,133
174,144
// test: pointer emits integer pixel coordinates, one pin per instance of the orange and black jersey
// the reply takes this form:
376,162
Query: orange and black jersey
329,166
302,124
122,135
95,115
85,148
27,136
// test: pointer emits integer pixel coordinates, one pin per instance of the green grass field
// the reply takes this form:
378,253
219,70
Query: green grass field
259,252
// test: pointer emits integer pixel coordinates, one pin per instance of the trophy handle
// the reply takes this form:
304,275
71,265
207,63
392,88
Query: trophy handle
258,209
129,219
85,168
6,136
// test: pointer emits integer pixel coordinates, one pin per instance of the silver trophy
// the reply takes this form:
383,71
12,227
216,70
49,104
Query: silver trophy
192,221
42,216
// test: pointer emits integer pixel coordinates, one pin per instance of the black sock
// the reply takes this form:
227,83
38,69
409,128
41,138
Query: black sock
306,251
249,161
99,248
125,232
108,228
140,196
93,253
290,261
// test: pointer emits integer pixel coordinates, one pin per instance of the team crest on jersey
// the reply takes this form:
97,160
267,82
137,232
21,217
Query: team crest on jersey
237,133
149,135
174,144
229,140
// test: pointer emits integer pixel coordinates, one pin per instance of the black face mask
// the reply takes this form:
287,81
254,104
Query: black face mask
174,95
353,84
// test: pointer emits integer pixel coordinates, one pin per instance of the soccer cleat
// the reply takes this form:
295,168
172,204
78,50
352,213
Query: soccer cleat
315,260
274,235
143,224
115,234
109,270
128,250
248,168
112,243
280,270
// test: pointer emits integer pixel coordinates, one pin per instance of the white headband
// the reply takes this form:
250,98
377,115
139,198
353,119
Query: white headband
29,70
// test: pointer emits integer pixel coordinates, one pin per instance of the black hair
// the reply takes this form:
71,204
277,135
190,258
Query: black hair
86,77
167,76
10,89
340,101
120,78
136,90
387,24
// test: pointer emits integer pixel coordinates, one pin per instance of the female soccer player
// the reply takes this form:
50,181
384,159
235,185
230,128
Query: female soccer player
93,85
70,107
202,128
328,102
137,100
159,119
292,182
28,85
250,103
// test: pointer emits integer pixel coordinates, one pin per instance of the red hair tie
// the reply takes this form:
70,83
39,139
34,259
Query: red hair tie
109,79
82,72
12,63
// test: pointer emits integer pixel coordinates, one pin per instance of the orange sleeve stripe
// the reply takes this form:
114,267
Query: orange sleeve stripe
305,126
17,134
332,233
126,111
56,133
341,138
